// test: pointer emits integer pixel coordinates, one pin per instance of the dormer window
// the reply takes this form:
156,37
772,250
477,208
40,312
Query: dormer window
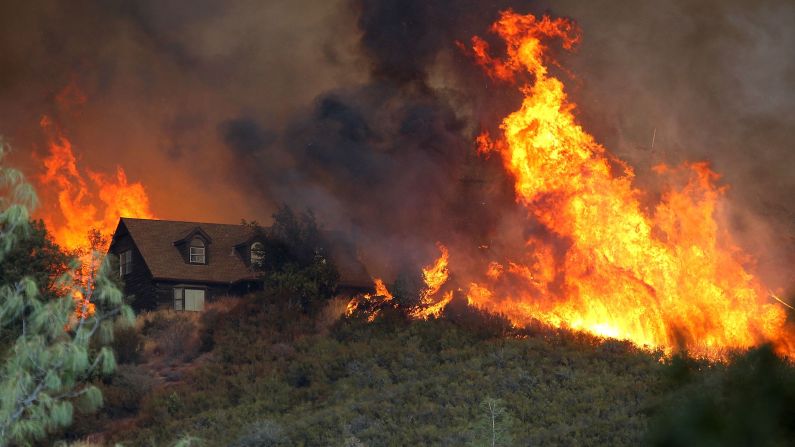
197,251
257,253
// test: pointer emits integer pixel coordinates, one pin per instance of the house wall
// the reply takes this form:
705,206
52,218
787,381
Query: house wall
138,282
165,292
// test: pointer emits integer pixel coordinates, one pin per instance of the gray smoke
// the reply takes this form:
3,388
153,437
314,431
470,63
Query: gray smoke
365,110
709,80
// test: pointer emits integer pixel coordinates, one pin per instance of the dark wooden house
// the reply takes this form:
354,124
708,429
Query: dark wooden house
182,265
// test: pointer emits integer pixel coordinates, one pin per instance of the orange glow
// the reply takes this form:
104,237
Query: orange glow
435,309
83,307
434,276
372,301
670,277
87,201
73,206
381,290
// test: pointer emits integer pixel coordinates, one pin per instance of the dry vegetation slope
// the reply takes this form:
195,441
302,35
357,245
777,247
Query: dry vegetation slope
255,373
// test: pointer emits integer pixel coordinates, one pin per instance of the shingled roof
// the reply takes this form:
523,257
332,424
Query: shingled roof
155,241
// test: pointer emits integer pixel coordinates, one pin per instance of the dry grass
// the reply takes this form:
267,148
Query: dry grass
170,335
330,314
222,303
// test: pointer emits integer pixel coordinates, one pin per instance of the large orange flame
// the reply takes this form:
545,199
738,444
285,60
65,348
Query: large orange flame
84,206
85,201
670,278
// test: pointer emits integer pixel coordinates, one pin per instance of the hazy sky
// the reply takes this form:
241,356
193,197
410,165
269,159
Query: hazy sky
366,110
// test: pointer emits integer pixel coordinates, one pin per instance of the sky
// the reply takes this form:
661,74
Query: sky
366,111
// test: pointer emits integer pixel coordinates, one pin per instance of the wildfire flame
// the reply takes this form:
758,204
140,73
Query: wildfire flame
668,278
371,301
85,201
434,276
381,290
84,205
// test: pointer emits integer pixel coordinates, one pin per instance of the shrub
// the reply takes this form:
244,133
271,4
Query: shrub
295,261
331,313
478,322
174,334
212,317
264,433
750,401
180,341
124,392
127,344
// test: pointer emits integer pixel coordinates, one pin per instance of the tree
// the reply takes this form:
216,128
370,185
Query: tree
36,256
49,365
294,261
748,401
493,427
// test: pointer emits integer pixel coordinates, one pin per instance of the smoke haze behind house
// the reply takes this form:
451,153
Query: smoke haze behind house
366,111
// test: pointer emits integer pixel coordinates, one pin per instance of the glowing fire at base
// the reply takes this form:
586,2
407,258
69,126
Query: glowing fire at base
434,276
672,278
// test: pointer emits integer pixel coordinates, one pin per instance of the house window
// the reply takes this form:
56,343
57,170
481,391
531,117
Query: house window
179,298
257,253
125,263
197,252
188,299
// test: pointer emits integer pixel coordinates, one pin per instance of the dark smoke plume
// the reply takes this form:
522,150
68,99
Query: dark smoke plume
366,110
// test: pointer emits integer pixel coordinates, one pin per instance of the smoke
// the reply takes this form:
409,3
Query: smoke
366,111
385,159
158,77
709,80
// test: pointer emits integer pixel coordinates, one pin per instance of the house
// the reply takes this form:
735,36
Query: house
182,265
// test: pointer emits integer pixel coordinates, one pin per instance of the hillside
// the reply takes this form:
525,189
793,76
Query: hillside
254,373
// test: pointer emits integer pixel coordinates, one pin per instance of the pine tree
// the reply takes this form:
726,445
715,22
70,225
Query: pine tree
50,363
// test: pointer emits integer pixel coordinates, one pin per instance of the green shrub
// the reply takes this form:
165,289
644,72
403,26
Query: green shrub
127,344
480,323
264,433
750,401
296,263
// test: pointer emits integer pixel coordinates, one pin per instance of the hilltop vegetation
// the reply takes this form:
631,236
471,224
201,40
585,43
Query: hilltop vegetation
285,367
273,376
253,372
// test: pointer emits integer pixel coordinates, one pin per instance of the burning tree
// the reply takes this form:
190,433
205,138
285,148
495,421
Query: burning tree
416,296
51,360
39,257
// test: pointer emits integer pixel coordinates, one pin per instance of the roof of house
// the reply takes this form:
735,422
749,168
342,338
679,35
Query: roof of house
155,241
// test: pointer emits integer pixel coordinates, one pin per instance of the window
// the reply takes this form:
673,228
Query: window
188,299
179,298
194,300
197,252
125,262
257,253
